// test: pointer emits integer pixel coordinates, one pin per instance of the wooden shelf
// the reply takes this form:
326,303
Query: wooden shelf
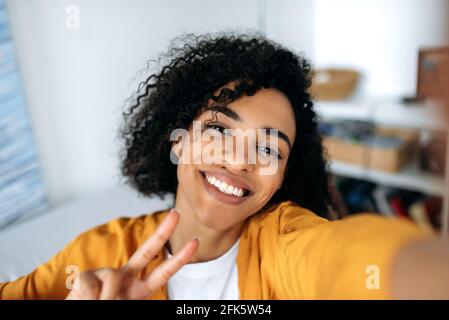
410,178
384,111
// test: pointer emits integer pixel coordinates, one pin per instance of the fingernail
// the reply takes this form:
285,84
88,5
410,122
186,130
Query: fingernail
175,210
196,238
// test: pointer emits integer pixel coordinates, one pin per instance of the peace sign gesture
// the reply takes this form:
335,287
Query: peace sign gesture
108,284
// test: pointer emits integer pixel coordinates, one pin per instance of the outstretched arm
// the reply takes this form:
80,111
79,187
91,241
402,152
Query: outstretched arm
421,270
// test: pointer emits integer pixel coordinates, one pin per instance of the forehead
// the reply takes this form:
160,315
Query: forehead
267,108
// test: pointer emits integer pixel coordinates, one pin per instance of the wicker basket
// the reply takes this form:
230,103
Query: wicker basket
333,84
385,159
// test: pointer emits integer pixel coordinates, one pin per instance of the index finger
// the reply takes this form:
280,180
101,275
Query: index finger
168,268
160,276
150,248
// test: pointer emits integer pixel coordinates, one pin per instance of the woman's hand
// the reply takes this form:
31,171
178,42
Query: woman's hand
111,284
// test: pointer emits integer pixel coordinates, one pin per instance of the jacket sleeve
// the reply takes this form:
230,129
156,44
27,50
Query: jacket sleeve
347,259
108,245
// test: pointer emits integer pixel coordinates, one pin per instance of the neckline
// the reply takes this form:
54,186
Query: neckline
211,267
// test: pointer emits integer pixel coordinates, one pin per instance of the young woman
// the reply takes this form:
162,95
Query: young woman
237,232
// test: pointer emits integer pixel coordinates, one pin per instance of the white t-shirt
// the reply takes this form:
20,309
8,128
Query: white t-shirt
211,280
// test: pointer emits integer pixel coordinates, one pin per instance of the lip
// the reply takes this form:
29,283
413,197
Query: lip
220,196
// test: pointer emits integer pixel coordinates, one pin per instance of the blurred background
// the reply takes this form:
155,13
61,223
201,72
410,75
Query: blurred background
67,67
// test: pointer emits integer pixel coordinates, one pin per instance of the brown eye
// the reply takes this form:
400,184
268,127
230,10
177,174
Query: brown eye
219,128
216,127
269,151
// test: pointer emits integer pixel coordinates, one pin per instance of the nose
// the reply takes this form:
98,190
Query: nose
237,159
239,167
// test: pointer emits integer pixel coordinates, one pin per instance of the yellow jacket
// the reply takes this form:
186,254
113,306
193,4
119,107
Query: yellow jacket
286,252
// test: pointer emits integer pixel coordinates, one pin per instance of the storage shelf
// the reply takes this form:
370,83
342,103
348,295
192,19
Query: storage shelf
410,178
384,111
389,111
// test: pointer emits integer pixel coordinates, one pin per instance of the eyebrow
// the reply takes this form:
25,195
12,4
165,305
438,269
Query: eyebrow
234,116
281,135
226,111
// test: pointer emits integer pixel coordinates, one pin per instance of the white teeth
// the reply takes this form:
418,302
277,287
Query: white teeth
224,187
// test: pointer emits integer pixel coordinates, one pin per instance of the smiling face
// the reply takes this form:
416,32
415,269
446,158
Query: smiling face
224,193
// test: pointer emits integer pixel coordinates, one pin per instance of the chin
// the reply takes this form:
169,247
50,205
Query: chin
213,220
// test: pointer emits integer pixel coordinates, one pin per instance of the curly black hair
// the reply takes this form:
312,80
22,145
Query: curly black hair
174,96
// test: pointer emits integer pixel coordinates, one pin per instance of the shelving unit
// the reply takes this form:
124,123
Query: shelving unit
384,111
389,111
405,179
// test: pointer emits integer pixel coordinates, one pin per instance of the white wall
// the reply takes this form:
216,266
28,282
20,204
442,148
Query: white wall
76,81
291,22
379,37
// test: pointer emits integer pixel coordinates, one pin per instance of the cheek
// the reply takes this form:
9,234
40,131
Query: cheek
186,175
270,184
197,151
